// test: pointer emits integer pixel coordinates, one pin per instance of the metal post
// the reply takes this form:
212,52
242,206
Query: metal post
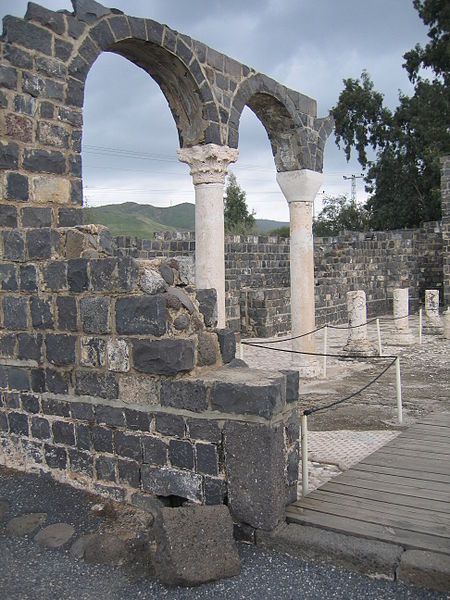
398,384
304,432
325,339
380,349
420,326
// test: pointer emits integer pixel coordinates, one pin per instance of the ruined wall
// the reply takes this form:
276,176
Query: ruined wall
112,371
257,272
445,192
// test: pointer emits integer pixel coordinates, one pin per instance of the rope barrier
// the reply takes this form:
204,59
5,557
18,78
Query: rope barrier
365,356
310,411
342,327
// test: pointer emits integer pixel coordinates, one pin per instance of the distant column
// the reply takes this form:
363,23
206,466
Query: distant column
433,322
402,335
209,164
300,188
358,342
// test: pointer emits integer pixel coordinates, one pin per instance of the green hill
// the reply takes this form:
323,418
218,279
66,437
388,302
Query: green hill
142,220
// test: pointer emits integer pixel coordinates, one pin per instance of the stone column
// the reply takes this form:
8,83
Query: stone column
358,342
432,323
402,335
209,164
446,319
300,188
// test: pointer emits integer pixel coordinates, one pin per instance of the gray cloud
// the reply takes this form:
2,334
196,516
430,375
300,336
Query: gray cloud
309,46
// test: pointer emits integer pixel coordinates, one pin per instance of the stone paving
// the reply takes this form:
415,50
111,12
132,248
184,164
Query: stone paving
345,435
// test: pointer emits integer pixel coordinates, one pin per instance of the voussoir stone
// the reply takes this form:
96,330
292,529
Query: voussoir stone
194,545
55,535
25,524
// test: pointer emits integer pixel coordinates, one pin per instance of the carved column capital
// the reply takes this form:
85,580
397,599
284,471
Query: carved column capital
299,186
208,163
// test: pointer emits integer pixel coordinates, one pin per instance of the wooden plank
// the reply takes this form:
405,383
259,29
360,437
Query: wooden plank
412,464
396,488
424,455
393,510
392,498
430,447
436,418
433,430
396,480
392,470
350,526
373,516
425,435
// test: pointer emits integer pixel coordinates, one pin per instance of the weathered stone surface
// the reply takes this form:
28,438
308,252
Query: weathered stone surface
181,454
182,323
195,545
141,315
139,389
227,344
151,282
256,489
182,297
246,392
55,536
292,383
92,352
186,269
118,355
101,549
207,300
48,189
163,357
25,524
89,10
95,314
425,569
166,273
370,557
206,349
164,481
184,393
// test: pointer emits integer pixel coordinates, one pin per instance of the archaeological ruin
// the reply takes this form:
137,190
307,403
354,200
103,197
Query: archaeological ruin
117,367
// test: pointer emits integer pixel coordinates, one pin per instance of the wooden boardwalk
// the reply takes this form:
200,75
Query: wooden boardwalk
399,494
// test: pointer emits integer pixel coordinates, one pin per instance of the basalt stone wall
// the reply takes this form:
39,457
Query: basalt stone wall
257,272
445,193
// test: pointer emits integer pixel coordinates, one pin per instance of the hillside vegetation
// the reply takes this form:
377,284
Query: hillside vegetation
142,220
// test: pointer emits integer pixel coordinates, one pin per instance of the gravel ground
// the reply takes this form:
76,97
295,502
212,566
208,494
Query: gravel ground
31,572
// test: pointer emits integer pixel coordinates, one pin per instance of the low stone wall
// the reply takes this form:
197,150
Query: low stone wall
257,272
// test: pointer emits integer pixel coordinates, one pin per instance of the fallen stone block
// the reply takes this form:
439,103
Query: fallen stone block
425,569
194,545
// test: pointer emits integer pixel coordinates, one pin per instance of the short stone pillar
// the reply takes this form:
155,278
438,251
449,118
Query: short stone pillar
358,342
300,188
209,164
402,335
446,320
432,323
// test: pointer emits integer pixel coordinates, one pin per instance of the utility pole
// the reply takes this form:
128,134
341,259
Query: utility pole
353,178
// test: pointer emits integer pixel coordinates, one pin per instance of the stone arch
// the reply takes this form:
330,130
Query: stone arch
277,113
160,52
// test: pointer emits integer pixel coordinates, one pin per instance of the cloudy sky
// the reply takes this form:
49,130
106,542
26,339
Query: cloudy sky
129,137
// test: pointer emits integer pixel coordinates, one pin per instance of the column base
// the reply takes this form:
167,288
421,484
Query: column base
307,368
405,338
359,348
433,327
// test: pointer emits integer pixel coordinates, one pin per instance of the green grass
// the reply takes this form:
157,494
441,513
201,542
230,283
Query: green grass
142,220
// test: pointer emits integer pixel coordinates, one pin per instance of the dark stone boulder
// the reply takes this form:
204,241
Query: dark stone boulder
194,545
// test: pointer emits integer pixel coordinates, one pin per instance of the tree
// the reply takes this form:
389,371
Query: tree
339,214
238,219
404,178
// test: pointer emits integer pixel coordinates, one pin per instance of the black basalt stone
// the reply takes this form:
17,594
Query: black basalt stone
141,315
227,344
207,300
184,394
163,357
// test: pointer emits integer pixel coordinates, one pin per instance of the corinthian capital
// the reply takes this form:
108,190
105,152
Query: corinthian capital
208,163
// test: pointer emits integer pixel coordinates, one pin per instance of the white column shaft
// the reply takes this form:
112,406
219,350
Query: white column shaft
209,243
